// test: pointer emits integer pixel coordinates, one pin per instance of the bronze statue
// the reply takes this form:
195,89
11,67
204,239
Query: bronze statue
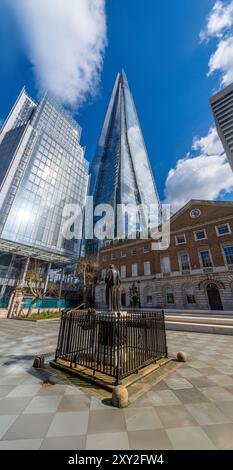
113,282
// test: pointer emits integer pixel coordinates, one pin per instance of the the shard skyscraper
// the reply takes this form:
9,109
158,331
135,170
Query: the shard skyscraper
121,172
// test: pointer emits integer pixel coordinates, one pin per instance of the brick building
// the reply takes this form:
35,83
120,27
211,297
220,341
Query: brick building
195,272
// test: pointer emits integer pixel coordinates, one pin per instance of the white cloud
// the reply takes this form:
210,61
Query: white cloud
65,40
205,176
210,144
219,20
220,25
222,60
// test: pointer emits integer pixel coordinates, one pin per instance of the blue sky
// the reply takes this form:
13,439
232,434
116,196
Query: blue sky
158,44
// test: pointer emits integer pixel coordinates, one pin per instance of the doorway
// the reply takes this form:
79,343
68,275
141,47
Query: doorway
214,297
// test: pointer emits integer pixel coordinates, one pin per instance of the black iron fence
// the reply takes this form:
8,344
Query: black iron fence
113,344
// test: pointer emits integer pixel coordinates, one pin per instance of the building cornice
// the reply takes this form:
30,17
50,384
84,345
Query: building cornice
129,243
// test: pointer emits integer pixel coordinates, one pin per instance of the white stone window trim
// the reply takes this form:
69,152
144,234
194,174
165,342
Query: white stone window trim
161,264
200,258
181,235
227,245
147,263
134,266
223,225
195,213
180,264
123,271
123,254
200,239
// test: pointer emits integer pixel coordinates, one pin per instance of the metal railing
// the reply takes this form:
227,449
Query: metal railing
113,344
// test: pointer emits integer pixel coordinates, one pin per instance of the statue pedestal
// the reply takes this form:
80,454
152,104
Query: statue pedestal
108,329
110,343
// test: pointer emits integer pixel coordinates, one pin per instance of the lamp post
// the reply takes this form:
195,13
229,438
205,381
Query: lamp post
139,298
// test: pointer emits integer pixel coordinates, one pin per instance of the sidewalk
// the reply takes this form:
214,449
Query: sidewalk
191,409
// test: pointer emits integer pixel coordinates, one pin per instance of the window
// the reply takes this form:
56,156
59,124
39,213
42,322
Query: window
200,235
190,297
149,299
170,298
133,251
228,252
165,264
184,262
180,239
123,272
206,259
147,269
113,256
123,254
223,229
104,258
146,248
134,270
195,213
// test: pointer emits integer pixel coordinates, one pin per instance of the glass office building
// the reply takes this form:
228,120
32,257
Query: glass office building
121,172
42,168
222,109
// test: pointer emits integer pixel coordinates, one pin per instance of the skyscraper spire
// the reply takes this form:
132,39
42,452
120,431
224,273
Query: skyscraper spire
120,172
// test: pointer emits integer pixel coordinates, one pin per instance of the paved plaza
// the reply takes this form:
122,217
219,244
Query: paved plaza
191,409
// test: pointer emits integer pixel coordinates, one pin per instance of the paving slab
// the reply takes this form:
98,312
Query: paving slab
190,408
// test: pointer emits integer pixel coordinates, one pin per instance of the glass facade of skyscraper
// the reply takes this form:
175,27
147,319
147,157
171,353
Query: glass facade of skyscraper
42,168
121,172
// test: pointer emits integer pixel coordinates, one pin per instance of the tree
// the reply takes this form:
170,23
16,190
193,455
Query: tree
34,281
35,286
88,272
52,289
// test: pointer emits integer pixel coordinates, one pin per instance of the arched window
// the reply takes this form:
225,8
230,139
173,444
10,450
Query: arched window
169,296
148,295
189,295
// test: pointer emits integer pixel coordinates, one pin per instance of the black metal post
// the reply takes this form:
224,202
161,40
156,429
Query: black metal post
164,331
139,296
118,370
